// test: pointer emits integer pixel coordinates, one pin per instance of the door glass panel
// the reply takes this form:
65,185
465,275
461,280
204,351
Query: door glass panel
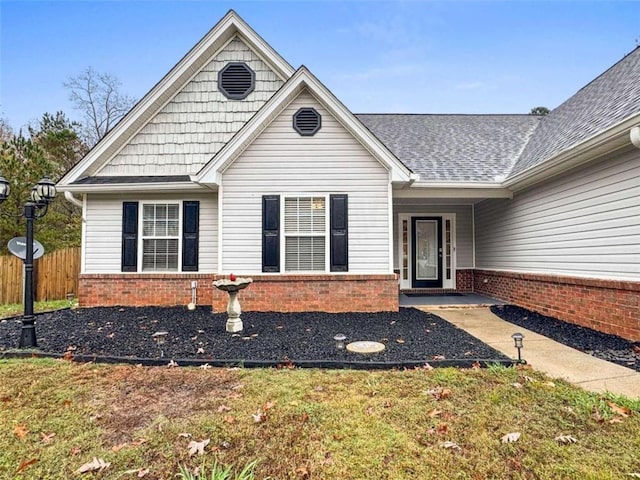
426,250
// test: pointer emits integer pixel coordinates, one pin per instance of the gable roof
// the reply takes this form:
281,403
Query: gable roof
604,102
454,148
302,80
229,26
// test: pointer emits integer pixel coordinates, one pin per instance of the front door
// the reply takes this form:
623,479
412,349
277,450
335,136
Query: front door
426,252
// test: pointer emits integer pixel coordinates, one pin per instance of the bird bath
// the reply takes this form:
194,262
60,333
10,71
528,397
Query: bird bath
232,287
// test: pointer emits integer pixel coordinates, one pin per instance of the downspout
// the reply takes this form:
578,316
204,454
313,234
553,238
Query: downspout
70,198
634,136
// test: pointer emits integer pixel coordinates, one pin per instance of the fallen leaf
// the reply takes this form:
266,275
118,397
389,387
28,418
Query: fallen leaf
142,472
510,437
438,357
5,398
184,435
450,445
615,420
517,385
94,465
319,388
439,393
434,413
223,408
172,364
258,417
26,464
200,351
197,447
75,451
303,472
476,366
618,410
399,340
46,437
205,366
370,411
566,439
20,431
268,406
67,356
442,428
229,419
117,448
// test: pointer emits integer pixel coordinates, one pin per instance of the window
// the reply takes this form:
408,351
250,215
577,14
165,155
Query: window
305,231
160,236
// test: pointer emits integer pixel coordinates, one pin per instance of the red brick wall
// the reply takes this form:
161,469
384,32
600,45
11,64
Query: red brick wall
464,280
309,293
284,293
605,305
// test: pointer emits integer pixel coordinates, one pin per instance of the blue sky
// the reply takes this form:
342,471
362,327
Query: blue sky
409,56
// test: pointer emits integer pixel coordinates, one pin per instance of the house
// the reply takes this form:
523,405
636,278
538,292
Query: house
235,162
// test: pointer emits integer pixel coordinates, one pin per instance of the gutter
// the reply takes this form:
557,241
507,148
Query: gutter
129,187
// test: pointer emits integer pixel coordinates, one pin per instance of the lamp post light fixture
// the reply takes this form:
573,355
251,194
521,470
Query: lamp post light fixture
517,340
160,338
42,194
339,339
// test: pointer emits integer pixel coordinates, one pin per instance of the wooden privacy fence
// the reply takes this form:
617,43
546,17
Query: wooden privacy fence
55,275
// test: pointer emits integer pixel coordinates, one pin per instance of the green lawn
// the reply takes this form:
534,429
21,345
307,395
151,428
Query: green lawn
55,416
11,310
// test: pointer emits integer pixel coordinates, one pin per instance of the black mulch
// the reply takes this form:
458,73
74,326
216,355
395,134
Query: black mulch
409,335
607,347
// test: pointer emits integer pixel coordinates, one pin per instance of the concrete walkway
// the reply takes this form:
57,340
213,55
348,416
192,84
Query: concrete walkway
553,358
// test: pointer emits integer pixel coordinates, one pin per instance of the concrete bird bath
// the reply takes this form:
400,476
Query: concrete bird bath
232,286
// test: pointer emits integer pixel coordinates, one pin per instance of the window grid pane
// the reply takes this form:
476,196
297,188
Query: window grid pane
159,221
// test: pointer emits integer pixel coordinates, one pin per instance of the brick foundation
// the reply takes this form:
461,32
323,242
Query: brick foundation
464,280
605,305
316,293
286,293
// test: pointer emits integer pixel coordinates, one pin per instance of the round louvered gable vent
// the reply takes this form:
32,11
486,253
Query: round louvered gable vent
307,121
236,81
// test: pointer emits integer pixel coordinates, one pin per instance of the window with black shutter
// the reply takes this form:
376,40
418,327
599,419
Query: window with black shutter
129,261
190,226
271,233
339,242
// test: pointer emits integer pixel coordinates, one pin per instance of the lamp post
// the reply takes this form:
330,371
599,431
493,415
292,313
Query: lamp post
517,340
42,195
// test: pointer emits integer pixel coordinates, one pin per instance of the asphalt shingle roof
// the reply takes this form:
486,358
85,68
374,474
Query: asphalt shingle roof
108,180
607,100
454,148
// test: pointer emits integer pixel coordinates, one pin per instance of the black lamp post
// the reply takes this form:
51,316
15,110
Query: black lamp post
517,340
42,195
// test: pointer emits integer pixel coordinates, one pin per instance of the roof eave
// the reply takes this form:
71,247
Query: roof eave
607,141
454,190
133,187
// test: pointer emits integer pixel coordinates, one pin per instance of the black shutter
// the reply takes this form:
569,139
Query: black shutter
190,227
129,237
339,233
271,233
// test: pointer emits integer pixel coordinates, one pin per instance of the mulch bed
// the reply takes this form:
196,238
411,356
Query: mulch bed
409,335
607,347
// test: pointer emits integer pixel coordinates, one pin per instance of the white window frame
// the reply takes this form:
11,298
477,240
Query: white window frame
284,235
142,238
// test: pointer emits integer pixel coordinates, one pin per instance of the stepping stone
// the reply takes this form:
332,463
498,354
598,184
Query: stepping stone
365,346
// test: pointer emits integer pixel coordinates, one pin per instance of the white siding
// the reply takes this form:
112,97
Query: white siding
586,223
103,230
280,161
464,229
197,122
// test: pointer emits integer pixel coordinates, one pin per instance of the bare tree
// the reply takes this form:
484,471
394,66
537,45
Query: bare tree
98,96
